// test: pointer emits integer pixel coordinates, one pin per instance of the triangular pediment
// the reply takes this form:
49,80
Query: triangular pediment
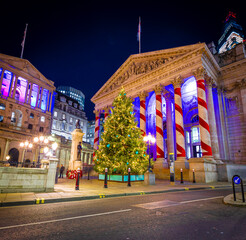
138,65
24,66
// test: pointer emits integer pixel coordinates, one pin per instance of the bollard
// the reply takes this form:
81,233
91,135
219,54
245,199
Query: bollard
181,173
194,179
77,180
129,177
88,178
106,178
236,179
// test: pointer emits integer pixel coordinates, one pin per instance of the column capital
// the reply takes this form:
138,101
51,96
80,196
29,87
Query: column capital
142,95
167,95
158,89
97,112
177,82
199,73
106,109
209,81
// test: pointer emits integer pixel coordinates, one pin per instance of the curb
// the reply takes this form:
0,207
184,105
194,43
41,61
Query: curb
42,201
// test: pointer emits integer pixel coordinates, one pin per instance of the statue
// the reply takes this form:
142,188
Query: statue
79,148
78,124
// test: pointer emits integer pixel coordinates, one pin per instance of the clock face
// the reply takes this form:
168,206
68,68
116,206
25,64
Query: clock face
233,39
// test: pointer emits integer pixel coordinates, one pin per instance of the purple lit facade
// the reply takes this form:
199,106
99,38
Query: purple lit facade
26,104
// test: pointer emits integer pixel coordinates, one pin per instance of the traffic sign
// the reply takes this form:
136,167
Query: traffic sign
236,180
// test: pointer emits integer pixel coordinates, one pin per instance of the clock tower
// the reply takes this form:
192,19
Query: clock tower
232,34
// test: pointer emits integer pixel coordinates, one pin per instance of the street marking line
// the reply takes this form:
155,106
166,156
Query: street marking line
202,199
66,219
168,203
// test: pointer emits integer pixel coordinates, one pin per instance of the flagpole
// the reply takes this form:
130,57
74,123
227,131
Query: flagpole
23,42
139,42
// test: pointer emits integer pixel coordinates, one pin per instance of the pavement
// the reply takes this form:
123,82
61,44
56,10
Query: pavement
64,191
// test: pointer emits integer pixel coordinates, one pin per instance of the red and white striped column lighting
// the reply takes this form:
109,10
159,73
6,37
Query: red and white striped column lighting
203,113
159,123
179,123
142,98
106,113
97,128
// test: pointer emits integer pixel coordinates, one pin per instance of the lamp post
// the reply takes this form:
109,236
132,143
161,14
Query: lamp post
150,140
41,141
25,145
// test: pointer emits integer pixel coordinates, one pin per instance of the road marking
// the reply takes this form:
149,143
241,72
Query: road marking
66,219
202,199
167,203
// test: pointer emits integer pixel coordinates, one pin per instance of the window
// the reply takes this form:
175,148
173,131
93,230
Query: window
13,119
195,135
1,118
29,126
31,115
63,116
54,124
41,129
71,120
42,119
2,106
55,113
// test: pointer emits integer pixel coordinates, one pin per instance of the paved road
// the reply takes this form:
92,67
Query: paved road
180,215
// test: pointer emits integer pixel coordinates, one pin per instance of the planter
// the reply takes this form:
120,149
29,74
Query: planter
121,178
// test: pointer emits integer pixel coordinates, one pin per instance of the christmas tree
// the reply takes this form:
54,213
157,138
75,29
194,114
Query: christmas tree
121,146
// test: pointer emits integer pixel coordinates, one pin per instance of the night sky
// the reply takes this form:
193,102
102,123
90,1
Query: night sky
83,43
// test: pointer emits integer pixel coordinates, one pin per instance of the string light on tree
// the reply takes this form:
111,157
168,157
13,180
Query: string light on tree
121,132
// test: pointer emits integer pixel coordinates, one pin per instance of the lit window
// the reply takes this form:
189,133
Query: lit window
195,135
63,116
31,115
13,119
71,120
55,114
2,106
42,119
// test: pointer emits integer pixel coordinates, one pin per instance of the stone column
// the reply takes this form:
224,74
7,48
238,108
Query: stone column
142,98
11,85
179,124
97,128
203,114
51,99
15,86
205,167
159,128
106,113
5,153
212,120
30,94
223,125
1,79
27,87
170,139
41,96
36,105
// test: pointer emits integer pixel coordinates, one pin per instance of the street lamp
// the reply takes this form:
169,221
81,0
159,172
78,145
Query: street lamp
150,140
41,141
25,145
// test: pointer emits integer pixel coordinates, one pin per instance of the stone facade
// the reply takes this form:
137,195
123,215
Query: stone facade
26,104
65,115
205,122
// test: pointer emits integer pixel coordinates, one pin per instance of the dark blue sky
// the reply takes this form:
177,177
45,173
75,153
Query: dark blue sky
83,43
